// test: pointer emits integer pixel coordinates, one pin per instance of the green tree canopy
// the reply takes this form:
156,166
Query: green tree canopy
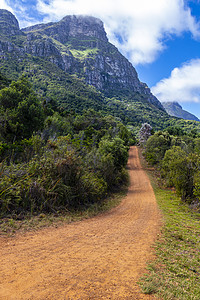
21,111
156,146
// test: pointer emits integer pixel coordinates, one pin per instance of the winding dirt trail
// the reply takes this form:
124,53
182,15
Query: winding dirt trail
98,258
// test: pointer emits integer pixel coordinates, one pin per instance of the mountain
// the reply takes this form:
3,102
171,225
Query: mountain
8,24
78,44
175,109
73,63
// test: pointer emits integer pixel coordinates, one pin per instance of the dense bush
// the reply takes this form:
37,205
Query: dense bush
179,169
21,111
156,147
177,157
59,178
71,163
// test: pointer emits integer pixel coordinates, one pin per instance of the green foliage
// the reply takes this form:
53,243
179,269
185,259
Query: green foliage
177,158
93,188
175,130
179,169
69,93
56,179
116,149
81,150
83,54
56,125
197,145
21,151
156,147
72,164
21,111
3,81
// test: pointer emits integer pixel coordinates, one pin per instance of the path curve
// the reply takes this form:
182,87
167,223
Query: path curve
98,258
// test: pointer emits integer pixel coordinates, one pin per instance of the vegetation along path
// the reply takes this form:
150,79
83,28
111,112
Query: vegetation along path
98,258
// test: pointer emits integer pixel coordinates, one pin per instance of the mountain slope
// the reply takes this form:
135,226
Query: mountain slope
79,45
175,109
73,63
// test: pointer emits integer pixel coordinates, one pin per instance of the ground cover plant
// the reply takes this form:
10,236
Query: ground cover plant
175,273
11,225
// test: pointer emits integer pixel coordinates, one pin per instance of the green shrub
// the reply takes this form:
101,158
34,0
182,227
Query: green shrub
92,188
21,111
116,148
156,147
179,170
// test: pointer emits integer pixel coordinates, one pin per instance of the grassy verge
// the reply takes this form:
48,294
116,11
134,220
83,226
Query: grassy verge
175,274
10,226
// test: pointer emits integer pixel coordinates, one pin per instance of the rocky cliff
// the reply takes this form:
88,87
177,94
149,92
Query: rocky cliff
72,27
175,109
78,45
8,24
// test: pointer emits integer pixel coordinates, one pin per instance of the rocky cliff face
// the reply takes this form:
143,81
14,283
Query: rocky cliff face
175,109
8,24
72,27
77,45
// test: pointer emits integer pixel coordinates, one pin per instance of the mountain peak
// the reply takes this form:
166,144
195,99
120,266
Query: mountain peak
8,23
175,109
85,25
72,26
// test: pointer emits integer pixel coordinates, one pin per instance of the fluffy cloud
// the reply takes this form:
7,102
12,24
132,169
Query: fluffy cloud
182,86
24,10
4,5
137,28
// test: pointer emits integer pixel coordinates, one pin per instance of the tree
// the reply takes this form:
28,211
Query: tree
21,111
175,130
179,170
156,147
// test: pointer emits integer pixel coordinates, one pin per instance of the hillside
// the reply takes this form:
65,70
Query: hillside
175,109
73,63
79,45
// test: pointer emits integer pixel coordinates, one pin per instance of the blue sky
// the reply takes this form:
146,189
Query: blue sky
160,37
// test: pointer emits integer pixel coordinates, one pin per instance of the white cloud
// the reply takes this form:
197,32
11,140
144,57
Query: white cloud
4,5
182,86
142,25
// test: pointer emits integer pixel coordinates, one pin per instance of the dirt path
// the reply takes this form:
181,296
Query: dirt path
99,258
